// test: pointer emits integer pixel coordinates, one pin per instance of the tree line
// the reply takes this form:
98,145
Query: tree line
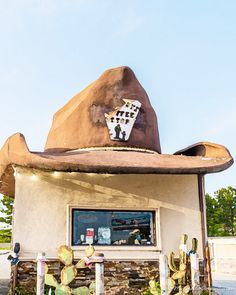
220,212
6,211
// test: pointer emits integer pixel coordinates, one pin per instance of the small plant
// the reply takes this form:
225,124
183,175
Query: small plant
69,272
21,291
49,290
153,289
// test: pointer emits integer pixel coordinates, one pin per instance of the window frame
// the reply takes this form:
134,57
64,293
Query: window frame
156,229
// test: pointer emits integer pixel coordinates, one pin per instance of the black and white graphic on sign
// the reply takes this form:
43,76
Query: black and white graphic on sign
120,121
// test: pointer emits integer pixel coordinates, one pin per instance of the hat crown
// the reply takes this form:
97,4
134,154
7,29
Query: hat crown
87,120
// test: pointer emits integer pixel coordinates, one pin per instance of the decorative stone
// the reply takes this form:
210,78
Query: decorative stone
118,281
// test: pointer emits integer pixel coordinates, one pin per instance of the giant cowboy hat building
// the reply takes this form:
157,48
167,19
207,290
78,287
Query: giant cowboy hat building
102,179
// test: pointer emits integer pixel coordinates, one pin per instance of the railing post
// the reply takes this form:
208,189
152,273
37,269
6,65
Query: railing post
99,273
194,260
208,262
40,273
163,269
14,278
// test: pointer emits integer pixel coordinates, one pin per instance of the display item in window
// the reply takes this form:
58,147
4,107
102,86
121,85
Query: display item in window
104,235
134,237
89,235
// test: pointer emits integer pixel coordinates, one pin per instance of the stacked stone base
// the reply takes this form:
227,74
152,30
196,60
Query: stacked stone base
120,277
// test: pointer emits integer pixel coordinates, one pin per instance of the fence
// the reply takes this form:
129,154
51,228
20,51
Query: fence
179,275
223,254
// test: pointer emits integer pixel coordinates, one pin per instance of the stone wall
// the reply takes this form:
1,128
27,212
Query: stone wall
121,277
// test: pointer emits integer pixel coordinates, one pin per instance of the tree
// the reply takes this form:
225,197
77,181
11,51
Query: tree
6,209
213,226
227,206
221,212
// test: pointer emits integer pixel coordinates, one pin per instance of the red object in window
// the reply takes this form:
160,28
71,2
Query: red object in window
90,232
89,235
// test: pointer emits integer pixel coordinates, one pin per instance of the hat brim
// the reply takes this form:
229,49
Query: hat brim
200,158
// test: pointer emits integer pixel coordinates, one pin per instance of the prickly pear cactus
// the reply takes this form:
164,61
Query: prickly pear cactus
179,274
194,246
69,272
154,287
65,254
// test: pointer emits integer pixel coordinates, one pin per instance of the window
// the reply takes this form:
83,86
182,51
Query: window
116,228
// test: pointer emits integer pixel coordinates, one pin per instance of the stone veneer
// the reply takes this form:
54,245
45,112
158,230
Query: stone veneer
121,277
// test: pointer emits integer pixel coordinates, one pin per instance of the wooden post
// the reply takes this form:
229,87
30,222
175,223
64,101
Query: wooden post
202,207
40,273
194,260
208,265
99,273
14,278
163,269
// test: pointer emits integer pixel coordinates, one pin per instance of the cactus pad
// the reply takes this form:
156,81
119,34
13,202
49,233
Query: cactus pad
178,275
186,289
68,274
80,264
194,245
50,280
89,251
184,239
65,255
171,262
171,285
182,266
81,291
92,287
63,290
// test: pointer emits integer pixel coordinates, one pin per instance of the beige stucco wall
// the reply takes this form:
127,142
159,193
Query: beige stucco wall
41,221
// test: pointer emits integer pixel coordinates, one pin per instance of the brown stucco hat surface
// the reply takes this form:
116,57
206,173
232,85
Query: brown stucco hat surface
79,138
81,122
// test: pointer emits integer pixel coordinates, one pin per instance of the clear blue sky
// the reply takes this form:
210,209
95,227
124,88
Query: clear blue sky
183,53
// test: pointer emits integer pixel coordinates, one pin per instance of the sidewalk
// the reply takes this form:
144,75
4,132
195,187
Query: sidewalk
224,284
4,287
4,272
5,268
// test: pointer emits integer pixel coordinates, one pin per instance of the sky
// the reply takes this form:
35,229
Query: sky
182,52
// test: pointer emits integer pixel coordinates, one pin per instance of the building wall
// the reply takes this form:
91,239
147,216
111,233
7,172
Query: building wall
42,200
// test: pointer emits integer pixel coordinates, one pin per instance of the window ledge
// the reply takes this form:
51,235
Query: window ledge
126,255
101,248
109,254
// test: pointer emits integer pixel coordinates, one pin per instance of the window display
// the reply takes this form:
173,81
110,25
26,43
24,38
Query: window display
104,227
